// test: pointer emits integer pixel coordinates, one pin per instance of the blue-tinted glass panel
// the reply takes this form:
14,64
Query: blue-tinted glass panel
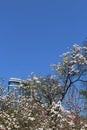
14,83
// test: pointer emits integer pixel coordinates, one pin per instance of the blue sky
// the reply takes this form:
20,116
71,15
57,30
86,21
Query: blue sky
33,33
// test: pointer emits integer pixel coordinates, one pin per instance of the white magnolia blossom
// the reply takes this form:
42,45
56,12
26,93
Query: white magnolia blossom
35,78
76,47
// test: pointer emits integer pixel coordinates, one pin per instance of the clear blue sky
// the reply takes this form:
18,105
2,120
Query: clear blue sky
33,33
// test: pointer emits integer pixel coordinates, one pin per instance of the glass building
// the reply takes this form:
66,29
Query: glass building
14,86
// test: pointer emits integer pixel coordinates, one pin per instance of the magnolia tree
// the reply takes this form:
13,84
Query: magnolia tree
83,91
44,90
72,69
39,107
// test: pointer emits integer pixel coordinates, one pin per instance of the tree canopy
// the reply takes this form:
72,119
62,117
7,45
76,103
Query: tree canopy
41,104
